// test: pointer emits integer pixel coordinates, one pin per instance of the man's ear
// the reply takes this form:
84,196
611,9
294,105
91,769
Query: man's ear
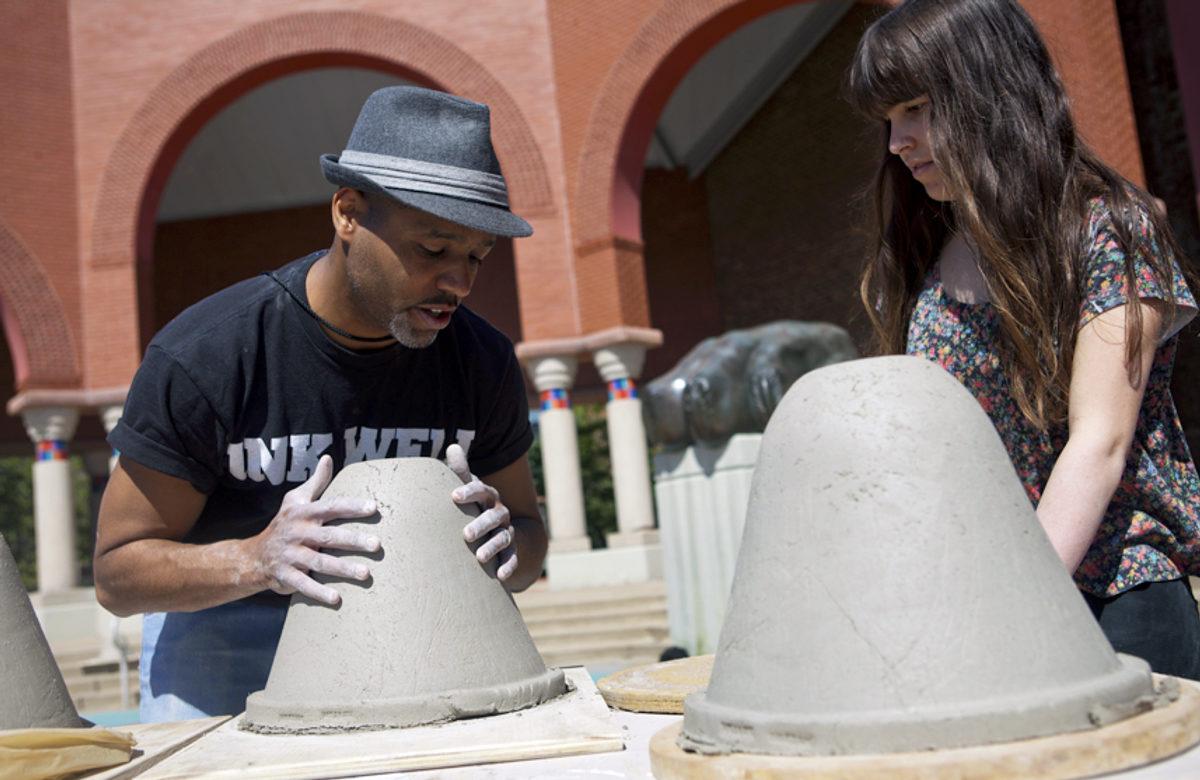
348,208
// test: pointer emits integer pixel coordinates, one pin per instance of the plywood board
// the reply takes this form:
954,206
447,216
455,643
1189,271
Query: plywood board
659,687
156,741
575,724
1126,744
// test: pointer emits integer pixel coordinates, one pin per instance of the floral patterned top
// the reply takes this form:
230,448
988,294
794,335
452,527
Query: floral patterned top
1151,531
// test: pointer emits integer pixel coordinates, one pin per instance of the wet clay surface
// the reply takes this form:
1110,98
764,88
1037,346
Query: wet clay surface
894,589
33,692
432,636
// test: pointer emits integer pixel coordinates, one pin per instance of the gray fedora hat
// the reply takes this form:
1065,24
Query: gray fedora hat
432,151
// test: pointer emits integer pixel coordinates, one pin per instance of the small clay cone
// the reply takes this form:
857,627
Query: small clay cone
894,590
433,636
32,691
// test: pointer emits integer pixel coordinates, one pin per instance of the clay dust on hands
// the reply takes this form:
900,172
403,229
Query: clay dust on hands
288,551
493,517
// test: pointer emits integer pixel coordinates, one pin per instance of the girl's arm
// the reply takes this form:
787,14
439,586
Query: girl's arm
1102,416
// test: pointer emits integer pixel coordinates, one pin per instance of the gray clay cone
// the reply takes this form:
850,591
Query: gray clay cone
432,636
32,691
894,589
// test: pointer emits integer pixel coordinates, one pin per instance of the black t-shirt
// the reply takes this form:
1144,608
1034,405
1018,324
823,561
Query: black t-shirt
242,393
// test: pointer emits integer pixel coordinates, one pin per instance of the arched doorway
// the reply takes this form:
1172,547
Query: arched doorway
247,195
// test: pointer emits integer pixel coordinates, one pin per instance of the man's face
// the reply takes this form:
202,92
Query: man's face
409,270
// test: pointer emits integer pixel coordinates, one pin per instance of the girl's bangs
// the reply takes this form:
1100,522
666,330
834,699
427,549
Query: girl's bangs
885,70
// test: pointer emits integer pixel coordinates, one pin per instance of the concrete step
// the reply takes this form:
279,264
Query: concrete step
614,620
540,594
91,705
583,613
603,659
589,606
101,692
636,635
75,651
100,683
541,606
86,674
605,628
94,681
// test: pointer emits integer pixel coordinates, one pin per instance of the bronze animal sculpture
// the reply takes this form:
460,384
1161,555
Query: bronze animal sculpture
731,383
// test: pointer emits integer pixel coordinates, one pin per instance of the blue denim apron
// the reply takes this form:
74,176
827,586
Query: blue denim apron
199,664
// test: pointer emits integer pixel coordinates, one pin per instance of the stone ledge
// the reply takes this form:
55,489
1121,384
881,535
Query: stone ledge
611,566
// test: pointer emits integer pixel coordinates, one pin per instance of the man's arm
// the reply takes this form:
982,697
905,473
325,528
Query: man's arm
509,521
141,566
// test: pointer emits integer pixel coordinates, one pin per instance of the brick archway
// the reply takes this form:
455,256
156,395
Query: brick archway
606,209
39,335
150,144
607,203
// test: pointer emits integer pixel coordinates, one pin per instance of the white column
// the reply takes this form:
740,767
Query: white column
116,642
99,464
118,634
110,415
553,376
96,464
618,365
54,517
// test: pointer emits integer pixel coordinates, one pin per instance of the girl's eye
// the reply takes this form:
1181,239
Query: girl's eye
916,108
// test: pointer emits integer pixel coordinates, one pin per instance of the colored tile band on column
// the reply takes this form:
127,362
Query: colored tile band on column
555,398
51,450
619,389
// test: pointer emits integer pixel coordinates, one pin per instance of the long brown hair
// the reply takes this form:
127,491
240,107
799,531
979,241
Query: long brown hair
1004,141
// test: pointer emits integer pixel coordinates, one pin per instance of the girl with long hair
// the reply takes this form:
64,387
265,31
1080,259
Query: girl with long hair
1007,252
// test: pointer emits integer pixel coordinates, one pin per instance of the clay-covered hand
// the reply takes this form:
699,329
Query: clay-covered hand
289,549
493,525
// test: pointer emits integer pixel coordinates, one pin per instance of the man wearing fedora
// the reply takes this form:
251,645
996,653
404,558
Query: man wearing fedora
248,402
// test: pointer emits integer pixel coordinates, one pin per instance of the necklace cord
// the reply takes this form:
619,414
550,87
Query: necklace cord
309,309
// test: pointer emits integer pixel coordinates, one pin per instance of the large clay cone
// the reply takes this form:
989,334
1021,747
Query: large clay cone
433,636
32,691
894,590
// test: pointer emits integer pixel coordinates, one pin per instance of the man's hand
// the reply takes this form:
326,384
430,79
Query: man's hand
288,549
493,517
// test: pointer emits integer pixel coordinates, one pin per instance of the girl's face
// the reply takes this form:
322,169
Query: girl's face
908,139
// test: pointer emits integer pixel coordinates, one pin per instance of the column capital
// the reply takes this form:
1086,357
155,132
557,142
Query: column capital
110,415
79,399
527,351
50,423
620,361
552,372
97,463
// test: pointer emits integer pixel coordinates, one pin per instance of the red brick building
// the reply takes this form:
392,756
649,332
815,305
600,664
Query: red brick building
102,99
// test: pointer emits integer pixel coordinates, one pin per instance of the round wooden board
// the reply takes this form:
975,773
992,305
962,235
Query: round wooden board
1129,743
659,688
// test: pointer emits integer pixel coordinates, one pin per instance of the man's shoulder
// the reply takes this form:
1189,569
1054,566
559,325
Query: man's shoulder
234,313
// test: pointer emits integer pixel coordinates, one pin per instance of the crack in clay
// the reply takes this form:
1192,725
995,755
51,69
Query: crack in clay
868,642
751,632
